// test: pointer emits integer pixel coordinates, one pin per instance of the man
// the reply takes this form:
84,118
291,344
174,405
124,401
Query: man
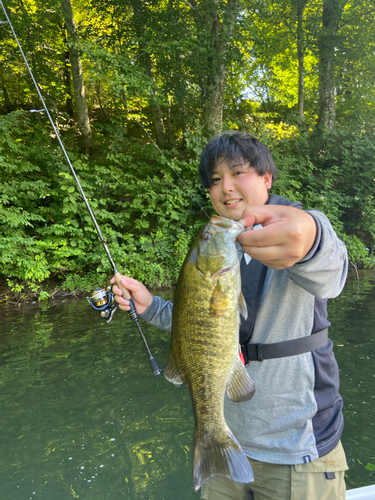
291,263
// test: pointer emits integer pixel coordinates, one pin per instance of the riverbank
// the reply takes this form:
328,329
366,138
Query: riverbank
55,289
23,293
75,286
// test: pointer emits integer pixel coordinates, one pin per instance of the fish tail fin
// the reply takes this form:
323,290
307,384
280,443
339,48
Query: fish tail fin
220,455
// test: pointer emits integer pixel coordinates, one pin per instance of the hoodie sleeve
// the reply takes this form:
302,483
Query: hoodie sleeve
323,271
159,313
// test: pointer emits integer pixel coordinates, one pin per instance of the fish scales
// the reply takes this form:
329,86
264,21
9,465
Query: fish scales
204,349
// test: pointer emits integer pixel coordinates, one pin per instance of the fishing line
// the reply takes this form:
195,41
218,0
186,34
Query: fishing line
99,297
97,65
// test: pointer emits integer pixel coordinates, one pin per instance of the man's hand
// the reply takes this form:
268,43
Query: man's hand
285,238
141,297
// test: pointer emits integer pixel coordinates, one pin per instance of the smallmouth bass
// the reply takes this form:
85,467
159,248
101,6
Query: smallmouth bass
204,352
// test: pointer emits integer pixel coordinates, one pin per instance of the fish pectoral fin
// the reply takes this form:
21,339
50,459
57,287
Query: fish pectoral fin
172,373
242,306
241,387
218,302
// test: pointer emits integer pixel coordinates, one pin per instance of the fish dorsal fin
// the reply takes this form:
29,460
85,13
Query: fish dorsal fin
172,373
242,306
241,387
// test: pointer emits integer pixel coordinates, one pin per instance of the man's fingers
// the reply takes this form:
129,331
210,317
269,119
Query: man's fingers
259,215
273,257
129,283
266,236
139,294
264,253
286,235
122,302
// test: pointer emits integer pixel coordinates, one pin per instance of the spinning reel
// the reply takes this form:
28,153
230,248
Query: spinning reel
103,300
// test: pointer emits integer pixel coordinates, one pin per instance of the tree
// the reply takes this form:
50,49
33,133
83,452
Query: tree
332,12
78,81
355,62
157,116
215,21
301,4
7,103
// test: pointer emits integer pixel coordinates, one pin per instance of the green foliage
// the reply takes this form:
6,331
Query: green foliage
87,282
337,180
22,193
143,210
138,56
43,295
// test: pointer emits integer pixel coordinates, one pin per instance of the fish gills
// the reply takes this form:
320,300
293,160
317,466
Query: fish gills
204,349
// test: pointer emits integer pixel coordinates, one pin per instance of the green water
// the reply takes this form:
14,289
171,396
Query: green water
83,417
353,333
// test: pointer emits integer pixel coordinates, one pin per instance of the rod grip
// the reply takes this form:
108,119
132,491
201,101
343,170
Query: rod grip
125,292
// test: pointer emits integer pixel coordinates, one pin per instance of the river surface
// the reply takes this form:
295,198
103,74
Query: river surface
82,416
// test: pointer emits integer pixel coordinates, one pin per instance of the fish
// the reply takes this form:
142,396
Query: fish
204,352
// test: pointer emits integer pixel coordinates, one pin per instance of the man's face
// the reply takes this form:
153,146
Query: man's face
237,186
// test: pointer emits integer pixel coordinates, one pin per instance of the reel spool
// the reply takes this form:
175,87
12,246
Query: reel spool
103,300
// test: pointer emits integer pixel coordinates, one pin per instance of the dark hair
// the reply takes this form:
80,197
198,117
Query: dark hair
235,146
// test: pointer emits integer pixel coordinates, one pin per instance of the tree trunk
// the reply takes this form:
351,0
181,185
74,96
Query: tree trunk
217,34
213,93
7,103
67,79
301,57
332,10
157,116
156,113
68,86
78,82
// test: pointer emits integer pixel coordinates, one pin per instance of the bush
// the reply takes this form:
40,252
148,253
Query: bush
144,211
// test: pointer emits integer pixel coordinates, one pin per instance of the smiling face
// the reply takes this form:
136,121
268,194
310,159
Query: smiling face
236,186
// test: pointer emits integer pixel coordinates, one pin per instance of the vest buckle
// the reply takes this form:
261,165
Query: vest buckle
259,352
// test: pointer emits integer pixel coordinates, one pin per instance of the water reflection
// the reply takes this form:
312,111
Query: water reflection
353,333
83,417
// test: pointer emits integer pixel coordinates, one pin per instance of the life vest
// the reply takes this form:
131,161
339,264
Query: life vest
252,278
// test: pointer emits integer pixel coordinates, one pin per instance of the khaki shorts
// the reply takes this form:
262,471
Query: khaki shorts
286,482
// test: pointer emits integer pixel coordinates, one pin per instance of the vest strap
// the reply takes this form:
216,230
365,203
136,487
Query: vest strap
259,352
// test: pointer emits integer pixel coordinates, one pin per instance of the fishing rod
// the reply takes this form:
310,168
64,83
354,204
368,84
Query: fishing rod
101,299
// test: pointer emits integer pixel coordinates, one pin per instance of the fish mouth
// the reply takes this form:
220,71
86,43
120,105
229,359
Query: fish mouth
225,223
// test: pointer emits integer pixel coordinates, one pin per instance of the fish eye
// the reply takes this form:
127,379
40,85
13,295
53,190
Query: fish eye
207,236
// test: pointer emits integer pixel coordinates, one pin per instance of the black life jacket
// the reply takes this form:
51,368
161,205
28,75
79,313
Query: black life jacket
252,279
